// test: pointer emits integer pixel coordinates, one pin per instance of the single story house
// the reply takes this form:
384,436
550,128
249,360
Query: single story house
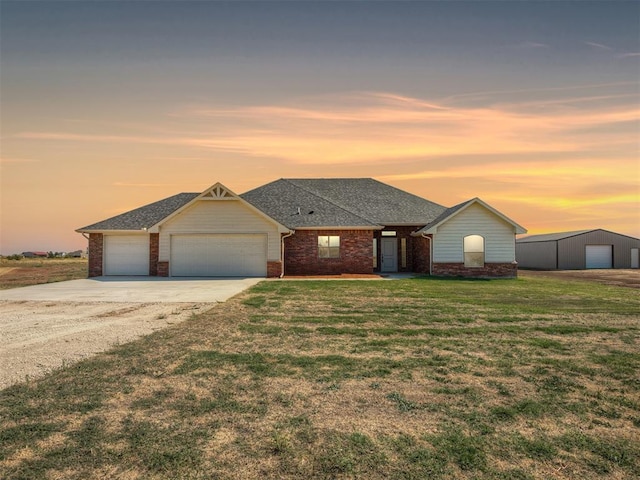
578,250
304,227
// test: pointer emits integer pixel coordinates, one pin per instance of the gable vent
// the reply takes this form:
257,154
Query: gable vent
219,193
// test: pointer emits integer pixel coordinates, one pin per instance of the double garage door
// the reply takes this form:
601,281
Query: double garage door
218,255
214,255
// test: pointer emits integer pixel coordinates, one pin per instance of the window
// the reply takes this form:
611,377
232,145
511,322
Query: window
375,253
328,246
388,233
474,251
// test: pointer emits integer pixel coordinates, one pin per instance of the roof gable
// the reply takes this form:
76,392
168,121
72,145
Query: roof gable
151,217
218,193
449,213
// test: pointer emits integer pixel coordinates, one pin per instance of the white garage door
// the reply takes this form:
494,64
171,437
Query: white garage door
220,255
599,256
126,255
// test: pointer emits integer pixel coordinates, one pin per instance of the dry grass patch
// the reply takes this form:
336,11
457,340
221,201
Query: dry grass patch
420,378
25,272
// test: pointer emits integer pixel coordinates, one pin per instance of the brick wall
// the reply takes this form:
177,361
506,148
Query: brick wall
154,253
163,269
274,269
356,253
96,248
490,270
421,254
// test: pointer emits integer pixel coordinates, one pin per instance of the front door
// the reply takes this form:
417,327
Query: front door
389,259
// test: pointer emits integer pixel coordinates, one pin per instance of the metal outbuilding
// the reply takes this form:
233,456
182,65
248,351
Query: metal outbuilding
578,250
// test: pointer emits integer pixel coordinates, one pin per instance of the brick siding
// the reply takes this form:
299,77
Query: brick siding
421,254
96,249
154,253
490,270
274,269
163,269
356,253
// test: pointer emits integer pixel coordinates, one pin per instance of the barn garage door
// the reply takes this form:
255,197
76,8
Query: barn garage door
126,255
222,255
599,256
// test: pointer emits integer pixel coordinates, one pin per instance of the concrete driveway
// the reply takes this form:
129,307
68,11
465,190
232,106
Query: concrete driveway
45,326
134,290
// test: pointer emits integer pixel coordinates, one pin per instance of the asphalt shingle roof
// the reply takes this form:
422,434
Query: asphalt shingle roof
296,203
144,217
340,202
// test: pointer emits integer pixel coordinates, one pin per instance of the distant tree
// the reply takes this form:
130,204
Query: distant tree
51,255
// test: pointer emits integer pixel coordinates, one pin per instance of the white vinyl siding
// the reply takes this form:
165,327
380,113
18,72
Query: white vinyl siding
219,217
218,255
126,255
599,256
499,236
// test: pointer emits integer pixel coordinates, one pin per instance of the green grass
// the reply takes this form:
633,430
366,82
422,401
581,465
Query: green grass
409,379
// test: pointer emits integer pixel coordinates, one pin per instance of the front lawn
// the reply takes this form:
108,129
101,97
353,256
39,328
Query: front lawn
409,379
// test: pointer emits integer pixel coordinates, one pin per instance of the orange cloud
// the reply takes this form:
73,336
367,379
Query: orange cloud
378,127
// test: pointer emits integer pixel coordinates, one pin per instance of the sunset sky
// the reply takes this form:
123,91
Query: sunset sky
106,106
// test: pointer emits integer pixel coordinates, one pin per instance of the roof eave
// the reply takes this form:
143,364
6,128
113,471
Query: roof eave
406,224
342,227
111,230
422,232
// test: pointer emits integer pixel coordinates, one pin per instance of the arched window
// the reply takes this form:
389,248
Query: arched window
474,251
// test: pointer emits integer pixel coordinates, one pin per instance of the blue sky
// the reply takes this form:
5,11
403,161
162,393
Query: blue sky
532,106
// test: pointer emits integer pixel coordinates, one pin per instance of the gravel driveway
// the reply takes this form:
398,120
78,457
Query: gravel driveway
42,327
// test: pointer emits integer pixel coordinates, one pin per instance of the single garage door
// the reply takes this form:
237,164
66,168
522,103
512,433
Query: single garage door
599,256
219,255
126,255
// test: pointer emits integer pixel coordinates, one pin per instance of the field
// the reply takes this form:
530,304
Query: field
421,378
32,271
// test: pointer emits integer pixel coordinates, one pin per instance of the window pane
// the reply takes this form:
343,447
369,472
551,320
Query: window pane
474,259
328,246
474,243
388,233
375,253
